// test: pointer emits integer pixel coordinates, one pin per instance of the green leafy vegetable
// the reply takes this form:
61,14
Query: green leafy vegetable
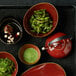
41,22
7,67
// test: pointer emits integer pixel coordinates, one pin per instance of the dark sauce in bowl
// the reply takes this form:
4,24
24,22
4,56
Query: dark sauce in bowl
10,31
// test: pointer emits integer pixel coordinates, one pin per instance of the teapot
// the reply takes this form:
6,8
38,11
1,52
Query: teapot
58,45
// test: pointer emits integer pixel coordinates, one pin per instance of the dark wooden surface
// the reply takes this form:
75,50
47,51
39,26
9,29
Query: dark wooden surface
31,2
66,24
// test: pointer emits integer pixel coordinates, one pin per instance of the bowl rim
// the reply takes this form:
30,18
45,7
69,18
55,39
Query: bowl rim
10,59
46,34
44,64
30,47
17,24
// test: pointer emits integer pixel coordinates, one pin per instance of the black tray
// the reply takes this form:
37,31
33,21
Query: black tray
66,25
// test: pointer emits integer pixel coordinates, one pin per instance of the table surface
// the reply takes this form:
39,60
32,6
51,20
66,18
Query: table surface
31,2
66,14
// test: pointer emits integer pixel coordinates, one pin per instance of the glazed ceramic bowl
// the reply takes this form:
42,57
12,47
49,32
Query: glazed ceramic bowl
23,48
52,12
45,69
11,57
13,22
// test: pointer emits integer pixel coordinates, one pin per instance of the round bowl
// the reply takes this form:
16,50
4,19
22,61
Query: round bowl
21,52
52,12
13,21
11,57
45,69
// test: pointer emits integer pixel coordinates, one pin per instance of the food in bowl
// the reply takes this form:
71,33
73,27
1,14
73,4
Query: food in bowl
10,31
4,55
41,22
7,67
53,14
30,55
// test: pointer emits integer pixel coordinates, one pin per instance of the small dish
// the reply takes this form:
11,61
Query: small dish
52,13
24,48
45,69
11,57
10,31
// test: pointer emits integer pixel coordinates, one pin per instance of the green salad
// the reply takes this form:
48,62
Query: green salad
41,22
7,67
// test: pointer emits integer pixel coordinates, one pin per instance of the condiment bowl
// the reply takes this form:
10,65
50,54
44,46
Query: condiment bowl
23,48
16,27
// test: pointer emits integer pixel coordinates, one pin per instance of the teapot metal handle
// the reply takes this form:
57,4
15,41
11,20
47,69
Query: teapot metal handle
60,38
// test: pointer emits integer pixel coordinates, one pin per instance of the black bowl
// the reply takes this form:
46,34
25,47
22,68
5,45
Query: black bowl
16,27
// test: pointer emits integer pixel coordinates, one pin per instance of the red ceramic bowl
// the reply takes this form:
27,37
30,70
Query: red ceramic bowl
45,69
11,57
21,52
49,8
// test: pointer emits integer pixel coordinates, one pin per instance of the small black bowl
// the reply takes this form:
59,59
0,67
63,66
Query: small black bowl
13,26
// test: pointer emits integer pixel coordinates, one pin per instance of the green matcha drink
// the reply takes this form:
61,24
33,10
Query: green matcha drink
30,55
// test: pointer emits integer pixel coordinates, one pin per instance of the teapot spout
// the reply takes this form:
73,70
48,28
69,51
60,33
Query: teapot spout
43,48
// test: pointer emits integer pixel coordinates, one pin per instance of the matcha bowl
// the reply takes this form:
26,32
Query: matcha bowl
29,54
8,64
